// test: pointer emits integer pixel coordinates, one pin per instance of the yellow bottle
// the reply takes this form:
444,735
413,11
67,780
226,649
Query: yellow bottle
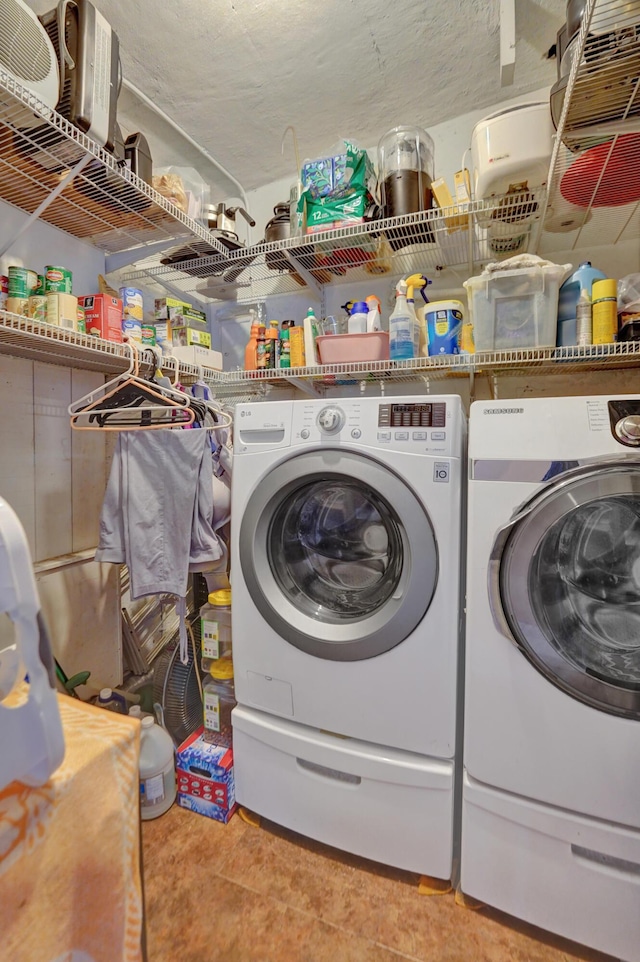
604,313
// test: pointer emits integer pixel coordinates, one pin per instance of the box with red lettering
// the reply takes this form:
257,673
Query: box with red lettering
205,778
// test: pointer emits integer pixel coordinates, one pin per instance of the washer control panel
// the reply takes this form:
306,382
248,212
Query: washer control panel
417,427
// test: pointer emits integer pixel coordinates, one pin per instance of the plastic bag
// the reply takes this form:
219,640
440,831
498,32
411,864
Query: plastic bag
629,293
184,187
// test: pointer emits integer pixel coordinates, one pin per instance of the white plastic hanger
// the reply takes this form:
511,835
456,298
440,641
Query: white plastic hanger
131,403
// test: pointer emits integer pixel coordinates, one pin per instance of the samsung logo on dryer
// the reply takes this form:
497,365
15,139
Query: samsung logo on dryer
504,411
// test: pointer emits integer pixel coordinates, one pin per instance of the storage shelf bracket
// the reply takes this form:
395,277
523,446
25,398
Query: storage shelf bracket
115,262
306,386
306,275
40,209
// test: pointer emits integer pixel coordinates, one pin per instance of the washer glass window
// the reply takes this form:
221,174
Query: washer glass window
336,549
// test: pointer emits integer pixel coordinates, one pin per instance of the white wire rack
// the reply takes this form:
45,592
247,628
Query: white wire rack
534,361
50,169
594,182
37,341
423,242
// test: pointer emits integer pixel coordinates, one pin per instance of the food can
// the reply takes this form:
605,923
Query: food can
81,320
148,334
18,305
132,329
132,303
604,311
22,282
41,288
38,307
57,280
4,291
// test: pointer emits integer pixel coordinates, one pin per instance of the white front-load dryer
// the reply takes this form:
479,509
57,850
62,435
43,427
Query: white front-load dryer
346,534
551,820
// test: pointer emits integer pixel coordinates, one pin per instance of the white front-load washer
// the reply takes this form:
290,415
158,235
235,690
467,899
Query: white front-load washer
346,562
551,818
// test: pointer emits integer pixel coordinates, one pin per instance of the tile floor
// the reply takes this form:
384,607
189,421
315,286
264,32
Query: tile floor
240,893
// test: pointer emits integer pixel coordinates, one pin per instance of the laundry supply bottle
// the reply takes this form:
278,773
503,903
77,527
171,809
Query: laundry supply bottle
215,628
310,327
261,351
357,323
419,282
112,701
251,350
584,319
374,314
157,770
568,296
284,361
401,327
273,344
219,702
414,320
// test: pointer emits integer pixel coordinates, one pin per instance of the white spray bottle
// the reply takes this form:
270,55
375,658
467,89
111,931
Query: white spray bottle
420,282
374,316
401,326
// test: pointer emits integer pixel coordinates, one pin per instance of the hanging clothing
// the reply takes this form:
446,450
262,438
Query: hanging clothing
157,515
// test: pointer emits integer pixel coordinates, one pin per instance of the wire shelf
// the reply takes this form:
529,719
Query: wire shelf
423,242
102,202
533,361
37,341
594,182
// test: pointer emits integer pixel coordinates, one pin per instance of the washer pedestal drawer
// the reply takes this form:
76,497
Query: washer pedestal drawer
575,876
391,806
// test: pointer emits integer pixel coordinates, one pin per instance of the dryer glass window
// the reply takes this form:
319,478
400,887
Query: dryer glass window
336,550
584,586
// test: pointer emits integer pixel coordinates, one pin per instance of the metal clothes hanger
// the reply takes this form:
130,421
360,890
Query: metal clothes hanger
129,402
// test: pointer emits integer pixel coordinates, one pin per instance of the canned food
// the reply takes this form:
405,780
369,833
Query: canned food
4,291
148,334
18,305
82,321
41,288
38,307
58,280
22,282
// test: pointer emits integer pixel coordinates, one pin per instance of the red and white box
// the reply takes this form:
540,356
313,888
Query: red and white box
103,316
204,774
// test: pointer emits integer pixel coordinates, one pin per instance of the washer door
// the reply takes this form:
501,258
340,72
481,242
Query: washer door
565,584
339,555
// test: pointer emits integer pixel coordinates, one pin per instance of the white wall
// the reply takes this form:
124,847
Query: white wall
53,477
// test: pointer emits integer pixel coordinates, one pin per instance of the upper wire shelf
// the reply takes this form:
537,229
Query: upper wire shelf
45,160
432,240
594,182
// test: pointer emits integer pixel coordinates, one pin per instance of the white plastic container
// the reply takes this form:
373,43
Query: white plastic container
511,310
219,702
215,628
157,770
510,148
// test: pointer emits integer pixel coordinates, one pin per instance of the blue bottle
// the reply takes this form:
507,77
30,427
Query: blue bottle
581,279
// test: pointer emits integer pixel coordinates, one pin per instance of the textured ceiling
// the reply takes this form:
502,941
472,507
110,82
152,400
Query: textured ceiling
234,73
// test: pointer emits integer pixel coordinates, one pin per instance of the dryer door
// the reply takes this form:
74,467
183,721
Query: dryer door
339,555
565,584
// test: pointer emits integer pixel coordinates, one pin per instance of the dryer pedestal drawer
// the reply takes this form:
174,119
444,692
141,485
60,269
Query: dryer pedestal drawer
575,876
381,803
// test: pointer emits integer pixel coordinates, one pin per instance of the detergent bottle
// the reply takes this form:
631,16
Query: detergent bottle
310,328
401,326
374,314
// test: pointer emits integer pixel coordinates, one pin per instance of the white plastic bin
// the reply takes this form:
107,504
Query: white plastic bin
515,309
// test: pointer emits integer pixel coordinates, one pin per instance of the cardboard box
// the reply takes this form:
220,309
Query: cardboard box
199,356
204,775
445,201
103,316
62,310
296,352
187,336
166,307
190,318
